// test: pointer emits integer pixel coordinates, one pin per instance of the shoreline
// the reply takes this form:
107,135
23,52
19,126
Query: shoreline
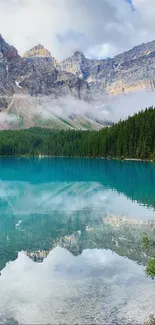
80,157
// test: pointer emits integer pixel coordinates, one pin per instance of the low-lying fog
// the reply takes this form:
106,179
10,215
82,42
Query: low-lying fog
103,109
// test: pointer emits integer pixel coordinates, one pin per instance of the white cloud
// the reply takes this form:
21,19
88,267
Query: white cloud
146,9
7,119
64,289
91,197
99,28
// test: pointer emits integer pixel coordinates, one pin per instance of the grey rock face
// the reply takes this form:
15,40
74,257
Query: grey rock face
42,78
8,55
39,74
6,51
130,71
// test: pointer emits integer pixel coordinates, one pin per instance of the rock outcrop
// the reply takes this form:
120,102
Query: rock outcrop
127,72
41,54
37,51
6,51
8,57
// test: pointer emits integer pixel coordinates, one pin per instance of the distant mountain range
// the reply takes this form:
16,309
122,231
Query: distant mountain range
127,72
25,82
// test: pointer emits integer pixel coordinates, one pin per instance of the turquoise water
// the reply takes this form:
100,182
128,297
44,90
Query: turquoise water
83,220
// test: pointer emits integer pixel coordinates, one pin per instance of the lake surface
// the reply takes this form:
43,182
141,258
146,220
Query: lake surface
71,247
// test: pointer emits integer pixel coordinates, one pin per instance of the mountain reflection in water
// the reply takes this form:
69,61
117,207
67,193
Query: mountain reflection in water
90,208
95,287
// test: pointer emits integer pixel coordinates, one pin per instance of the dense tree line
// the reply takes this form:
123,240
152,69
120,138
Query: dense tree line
132,138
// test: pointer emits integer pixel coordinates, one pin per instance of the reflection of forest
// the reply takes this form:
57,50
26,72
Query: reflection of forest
135,179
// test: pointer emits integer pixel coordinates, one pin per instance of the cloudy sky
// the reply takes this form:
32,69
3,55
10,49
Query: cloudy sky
99,28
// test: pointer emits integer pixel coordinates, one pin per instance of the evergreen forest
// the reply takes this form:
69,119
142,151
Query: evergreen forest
131,138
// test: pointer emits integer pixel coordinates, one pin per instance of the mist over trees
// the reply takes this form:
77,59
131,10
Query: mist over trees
131,138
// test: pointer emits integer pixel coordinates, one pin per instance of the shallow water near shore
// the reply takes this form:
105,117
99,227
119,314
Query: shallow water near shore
71,240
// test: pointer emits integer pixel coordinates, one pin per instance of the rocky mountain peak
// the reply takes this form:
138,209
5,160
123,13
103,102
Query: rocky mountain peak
38,51
75,64
38,73
78,55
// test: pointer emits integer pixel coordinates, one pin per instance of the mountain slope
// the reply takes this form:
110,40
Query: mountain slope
25,111
36,74
26,81
130,71
132,138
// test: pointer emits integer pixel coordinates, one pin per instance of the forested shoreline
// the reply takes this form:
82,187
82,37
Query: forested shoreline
132,138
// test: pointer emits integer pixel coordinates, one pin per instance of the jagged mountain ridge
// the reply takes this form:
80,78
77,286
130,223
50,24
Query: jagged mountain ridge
38,74
24,79
41,74
127,72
